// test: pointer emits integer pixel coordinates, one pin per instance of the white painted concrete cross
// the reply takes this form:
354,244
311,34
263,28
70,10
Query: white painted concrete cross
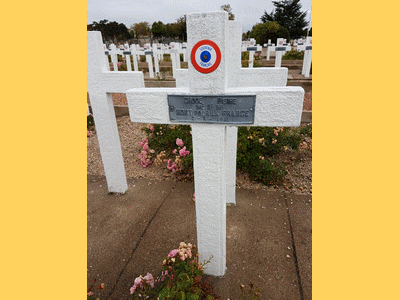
106,53
134,52
149,53
252,48
184,51
175,57
127,54
114,56
300,45
274,106
100,84
307,57
279,50
270,48
156,54
238,77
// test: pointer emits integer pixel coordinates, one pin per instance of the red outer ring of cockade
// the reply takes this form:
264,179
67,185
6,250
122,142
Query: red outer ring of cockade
217,60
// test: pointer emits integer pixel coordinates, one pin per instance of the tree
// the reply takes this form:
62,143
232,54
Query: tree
141,29
158,29
268,30
110,30
288,14
227,8
181,28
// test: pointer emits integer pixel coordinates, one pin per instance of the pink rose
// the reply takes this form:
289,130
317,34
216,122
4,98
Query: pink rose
173,253
188,253
182,151
149,279
152,128
174,152
179,142
145,146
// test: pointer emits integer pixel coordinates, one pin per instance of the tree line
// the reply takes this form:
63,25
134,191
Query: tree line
117,32
285,21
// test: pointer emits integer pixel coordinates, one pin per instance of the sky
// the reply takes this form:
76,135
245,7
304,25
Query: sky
248,12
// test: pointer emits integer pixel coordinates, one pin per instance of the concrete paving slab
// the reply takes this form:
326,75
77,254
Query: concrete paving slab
300,212
258,237
116,224
129,235
174,222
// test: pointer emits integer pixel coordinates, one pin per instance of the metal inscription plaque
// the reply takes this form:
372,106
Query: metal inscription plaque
127,52
106,52
280,48
251,48
148,52
300,44
215,109
308,47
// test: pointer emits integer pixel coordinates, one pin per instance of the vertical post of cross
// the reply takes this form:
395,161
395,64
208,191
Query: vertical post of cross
209,162
279,49
100,84
114,56
307,57
134,57
149,53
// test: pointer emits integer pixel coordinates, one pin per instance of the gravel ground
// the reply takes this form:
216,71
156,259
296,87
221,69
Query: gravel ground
298,163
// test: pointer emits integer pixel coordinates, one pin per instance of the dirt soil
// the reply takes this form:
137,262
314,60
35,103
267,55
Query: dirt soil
298,163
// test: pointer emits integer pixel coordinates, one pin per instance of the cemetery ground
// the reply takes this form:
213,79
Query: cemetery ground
268,230
298,163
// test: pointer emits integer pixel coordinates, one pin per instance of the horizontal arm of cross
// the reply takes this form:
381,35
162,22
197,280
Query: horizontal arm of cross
275,106
245,77
114,82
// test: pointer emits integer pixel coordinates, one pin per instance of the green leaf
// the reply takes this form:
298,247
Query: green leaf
181,296
191,296
163,294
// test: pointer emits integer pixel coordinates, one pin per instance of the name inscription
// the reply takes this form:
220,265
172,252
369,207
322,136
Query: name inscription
220,109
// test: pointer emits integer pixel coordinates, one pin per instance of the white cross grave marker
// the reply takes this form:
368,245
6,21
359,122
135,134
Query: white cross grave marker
175,57
184,51
156,59
114,56
134,53
127,54
252,48
279,50
307,57
270,48
238,77
300,45
106,52
209,104
100,84
149,53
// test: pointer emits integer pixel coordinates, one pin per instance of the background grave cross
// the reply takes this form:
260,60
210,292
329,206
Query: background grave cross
279,51
100,84
274,106
307,57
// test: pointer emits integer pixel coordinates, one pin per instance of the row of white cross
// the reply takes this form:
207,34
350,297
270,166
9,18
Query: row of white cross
175,49
214,143
156,50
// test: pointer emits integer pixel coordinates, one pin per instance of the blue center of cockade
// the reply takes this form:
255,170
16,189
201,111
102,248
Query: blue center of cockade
205,56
